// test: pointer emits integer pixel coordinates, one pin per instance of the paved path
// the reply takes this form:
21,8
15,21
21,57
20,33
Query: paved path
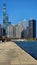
11,54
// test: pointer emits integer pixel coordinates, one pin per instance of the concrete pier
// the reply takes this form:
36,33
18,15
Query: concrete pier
11,54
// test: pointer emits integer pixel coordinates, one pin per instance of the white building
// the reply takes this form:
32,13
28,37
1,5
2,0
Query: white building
18,31
10,31
14,31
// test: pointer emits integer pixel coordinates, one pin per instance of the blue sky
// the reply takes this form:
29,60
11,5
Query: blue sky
19,10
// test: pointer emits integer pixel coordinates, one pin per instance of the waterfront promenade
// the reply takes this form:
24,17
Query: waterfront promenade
11,54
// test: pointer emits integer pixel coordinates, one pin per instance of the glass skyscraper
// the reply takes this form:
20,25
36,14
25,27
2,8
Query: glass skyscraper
32,28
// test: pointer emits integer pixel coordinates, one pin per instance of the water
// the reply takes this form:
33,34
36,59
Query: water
30,47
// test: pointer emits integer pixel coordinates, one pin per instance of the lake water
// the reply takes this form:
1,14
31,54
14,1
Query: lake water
30,47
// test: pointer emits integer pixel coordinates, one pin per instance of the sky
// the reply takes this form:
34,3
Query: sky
18,10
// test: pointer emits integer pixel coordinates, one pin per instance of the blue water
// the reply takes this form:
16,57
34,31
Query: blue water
30,47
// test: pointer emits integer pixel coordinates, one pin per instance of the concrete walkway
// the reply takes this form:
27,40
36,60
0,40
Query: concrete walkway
11,54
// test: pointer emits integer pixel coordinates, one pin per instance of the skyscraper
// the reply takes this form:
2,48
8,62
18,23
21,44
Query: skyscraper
14,31
18,30
23,23
0,31
32,28
5,18
10,31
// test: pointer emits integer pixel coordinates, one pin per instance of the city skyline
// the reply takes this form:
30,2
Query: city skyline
15,13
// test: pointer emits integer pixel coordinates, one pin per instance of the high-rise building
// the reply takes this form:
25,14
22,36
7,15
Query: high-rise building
10,31
18,30
23,23
24,33
0,31
32,28
5,18
27,31
14,31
